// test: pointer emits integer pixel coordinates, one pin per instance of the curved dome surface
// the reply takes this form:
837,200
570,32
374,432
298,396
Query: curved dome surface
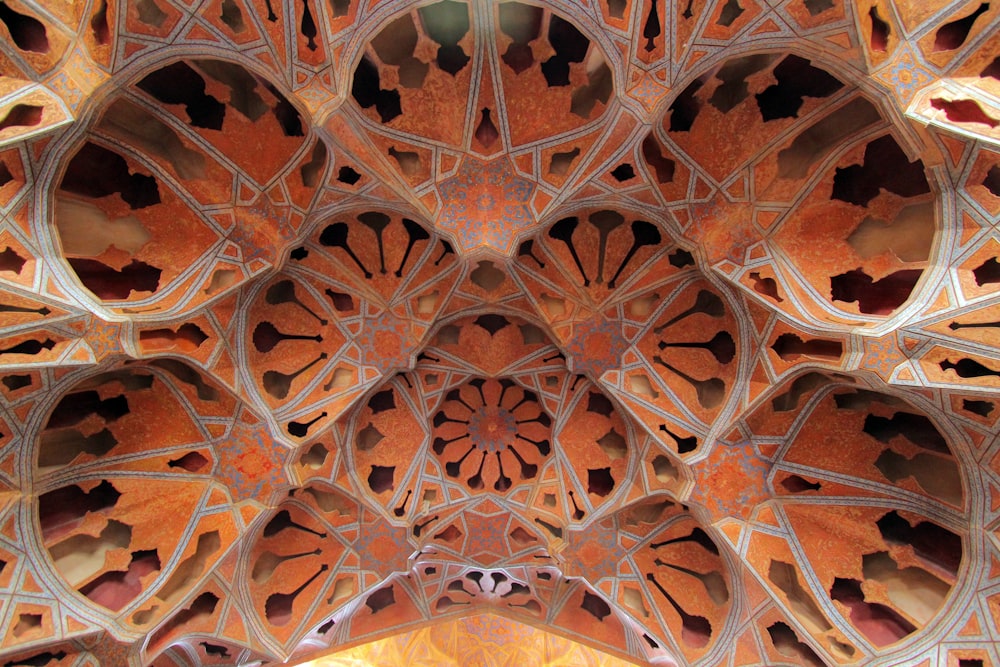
666,327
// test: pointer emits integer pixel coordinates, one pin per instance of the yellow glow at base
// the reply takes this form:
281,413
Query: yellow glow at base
475,641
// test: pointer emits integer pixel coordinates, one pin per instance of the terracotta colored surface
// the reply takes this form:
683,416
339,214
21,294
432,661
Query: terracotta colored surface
659,331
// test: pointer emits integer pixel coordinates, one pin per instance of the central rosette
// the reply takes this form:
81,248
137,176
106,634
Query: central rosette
491,432
492,428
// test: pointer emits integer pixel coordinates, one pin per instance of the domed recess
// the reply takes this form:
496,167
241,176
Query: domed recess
827,171
888,569
476,414
416,75
153,188
122,468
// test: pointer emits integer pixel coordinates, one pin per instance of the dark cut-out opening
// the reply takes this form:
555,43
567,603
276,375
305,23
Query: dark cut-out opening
113,590
787,643
599,404
992,70
367,92
817,7
486,132
560,163
381,478
189,376
27,32
815,142
150,13
554,531
37,660
874,297
348,175
380,599
796,484
286,114
937,476
734,75
918,429
599,86
880,31
78,406
62,447
266,337
491,323
992,180
988,272
964,111
278,607
981,408
232,16
283,521
652,153
178,83
191,462
26,623
730,12
595,606
279,384
970,662
447,23
696,631
881,624
786,577
680,258
243,94
953,34
600,482
395,45
15,382
685,108
108,284
487,276
313,169
623,172
342,303
5,175
570,46
188,336
307,26
765,285
932,543
11,261
31,347
22,115
522,23
214,650
651,28
97,172
802,385
616,8
202,607
797,79
408,161
382,401
789,347
340,7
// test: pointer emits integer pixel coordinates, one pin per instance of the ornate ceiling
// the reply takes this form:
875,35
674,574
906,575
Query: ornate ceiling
665,326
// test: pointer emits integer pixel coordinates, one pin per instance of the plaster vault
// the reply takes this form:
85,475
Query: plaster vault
669,327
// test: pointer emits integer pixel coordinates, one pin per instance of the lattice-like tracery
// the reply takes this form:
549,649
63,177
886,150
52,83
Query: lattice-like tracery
668,326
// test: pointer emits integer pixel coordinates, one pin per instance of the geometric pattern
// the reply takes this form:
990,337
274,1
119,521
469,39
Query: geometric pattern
659,331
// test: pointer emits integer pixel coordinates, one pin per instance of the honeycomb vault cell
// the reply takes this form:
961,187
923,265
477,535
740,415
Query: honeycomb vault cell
453,330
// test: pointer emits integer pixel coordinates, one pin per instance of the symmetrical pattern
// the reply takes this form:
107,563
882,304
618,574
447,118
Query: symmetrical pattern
668,327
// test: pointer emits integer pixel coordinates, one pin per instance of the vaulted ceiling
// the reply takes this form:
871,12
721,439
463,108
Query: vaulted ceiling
670,327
